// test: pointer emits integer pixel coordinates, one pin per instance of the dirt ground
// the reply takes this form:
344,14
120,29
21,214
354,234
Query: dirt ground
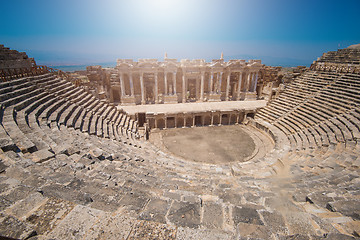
209,144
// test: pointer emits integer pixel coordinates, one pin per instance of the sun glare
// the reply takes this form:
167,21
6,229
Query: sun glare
166,10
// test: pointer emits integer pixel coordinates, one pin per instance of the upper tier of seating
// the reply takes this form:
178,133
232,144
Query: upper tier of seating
320,107
14,59
347,55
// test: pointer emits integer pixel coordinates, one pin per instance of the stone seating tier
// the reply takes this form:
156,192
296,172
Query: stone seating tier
28,95
324,107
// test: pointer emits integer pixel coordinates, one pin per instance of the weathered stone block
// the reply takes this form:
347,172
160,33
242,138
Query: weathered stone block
213,215
152,230
349,208
185,214
155,210
42,155
77,223
246,215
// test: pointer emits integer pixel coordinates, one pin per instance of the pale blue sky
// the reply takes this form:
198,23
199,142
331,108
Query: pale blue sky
280,32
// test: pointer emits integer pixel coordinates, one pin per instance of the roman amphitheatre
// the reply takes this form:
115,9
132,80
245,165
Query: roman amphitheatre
183,149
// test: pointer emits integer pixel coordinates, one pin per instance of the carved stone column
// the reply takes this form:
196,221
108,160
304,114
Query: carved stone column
256,80
219,82
183,88
239,87
202,87
156,88
211,82
247,89
142,88
227,87
165,84
252,82
122,84
131,84
174,82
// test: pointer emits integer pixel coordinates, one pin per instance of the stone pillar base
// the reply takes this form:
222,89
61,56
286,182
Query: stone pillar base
214,97
170,98
128,100
249,96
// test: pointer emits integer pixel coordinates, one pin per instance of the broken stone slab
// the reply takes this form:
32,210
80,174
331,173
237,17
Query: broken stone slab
299,223
73,150
42,155
152,230
61,149
349,208
21,208
106,199
4,203
246,215
99,154
155,210
185,214
112,226
184,233
48,215
2,166
295,237
11,227
337,236
134,201
18,193
230,197
6,144
253,231
66,193
77,223
281,204
213,216
275,221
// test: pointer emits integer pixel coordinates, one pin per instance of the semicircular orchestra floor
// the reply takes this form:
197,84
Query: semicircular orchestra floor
213,145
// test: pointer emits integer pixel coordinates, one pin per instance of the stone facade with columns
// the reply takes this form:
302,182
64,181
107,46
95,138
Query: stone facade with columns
150,81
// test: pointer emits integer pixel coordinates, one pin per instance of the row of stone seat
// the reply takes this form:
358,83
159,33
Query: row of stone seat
296,93
320,119
29,102
341,56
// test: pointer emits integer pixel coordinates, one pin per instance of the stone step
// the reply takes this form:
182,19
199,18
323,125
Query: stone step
74,117
67,114
86,125
16,135
324,137
343,128
353,124
54,111
329,133
92,124
79,123
99,127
